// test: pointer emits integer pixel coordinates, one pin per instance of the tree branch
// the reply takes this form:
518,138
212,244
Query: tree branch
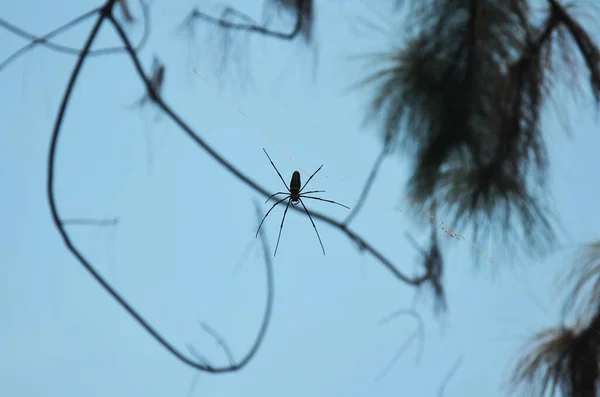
367,186
44,40
249,27
449,375
361,243
106,13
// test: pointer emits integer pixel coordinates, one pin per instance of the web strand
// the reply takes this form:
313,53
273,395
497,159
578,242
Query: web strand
449,231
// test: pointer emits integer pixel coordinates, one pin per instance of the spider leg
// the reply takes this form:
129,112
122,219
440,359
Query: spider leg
275,194
280,177
314,191
308,180
281,226
313,223
329,201
268,212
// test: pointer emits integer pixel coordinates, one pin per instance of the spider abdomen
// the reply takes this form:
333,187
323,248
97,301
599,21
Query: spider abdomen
295,184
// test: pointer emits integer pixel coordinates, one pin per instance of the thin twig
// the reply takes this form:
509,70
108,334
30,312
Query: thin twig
367,186
44,40
197,355
449,376
193,383
220,341
106,13
361,243
397,356
238,265
420,326
249,27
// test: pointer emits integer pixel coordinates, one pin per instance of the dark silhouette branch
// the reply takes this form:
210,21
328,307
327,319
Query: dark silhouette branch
248,27
303,9
571,352
220,341
199,357
106,13
589,50
44,40
157,80
368,184
127,15
433,262
361,243
232,22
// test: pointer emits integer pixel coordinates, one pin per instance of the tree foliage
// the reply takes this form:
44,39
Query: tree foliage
465,94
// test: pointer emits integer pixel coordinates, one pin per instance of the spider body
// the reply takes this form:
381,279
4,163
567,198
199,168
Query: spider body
294,195
295,188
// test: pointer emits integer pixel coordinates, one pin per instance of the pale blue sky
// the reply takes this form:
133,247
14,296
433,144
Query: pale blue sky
186,223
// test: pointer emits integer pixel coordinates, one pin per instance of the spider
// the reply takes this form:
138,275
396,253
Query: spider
294,195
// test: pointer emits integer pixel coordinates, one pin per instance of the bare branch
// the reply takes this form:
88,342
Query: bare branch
449,375
126,11
361,243
368,184
220,341
303,9
589,50
193,384
418,333
433,262
396,357
157,80
44,40
248,27
106,13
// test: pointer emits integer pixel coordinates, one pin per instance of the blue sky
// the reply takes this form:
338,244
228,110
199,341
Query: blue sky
186,224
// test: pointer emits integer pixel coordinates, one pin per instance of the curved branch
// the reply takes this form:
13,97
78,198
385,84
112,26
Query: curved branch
589,50
418,333
367,186
396,357
268,310
220,341
360,242
249,27
106,13
44,40
432,261
448,376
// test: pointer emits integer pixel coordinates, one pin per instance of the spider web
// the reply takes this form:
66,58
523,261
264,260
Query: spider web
447,229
